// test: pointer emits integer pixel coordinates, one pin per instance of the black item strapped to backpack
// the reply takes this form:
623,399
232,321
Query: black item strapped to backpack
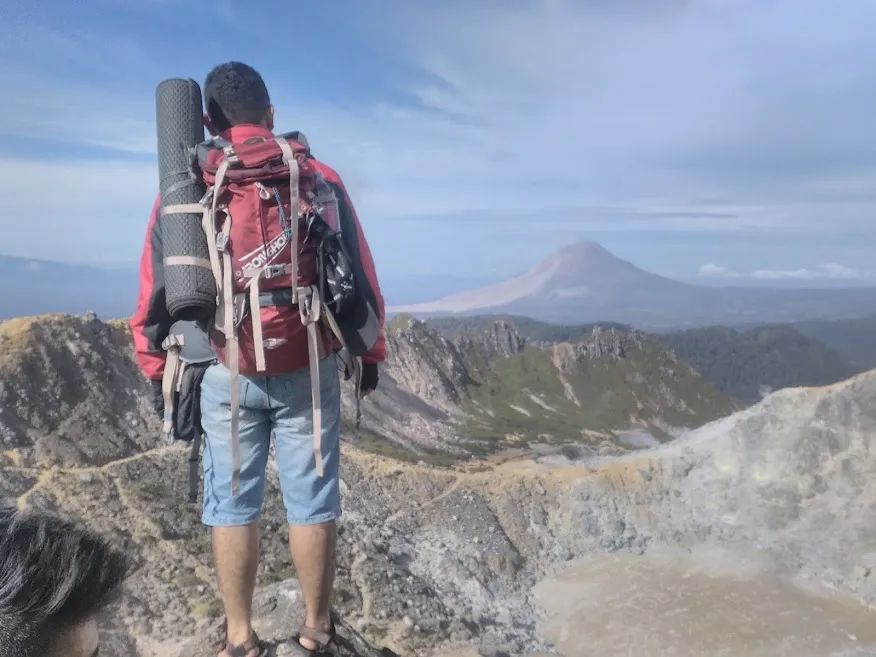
189,356
187,420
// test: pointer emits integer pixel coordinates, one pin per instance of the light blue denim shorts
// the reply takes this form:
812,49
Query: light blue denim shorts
282,406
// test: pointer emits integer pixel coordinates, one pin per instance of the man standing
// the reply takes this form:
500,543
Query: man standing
239,110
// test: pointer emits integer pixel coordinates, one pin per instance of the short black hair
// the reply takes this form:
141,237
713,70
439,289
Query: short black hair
235,93
54,574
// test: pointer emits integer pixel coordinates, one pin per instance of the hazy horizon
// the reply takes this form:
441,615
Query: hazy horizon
420,288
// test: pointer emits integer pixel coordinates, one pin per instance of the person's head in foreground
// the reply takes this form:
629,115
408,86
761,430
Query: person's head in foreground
55,576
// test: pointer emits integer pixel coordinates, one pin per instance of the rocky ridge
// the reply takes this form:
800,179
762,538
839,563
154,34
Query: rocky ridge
71,394
493,390
440,558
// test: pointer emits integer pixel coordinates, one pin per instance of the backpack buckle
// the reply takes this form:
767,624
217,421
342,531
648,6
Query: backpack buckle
230,156
221,241
309,304
271,271
239,308
264,194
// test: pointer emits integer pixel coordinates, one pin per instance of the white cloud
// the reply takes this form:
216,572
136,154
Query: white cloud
621,116
716,271
828,271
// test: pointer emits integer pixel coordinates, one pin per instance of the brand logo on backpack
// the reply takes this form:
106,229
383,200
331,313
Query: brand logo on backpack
262,256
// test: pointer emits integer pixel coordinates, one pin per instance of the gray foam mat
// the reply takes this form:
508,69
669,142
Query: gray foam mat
190,290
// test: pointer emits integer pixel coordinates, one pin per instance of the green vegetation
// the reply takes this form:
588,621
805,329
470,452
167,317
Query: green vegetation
527,397
746,364
853,339
400,322
374,444
741,364
207,609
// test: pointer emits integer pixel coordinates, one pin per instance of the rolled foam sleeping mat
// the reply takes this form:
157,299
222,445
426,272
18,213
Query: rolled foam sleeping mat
190,290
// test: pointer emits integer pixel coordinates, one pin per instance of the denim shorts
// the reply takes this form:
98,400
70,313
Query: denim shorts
282,406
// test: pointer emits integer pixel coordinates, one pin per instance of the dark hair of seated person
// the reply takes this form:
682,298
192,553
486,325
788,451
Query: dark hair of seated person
55,577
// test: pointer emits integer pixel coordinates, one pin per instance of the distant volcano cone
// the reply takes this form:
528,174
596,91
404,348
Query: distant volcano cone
579,271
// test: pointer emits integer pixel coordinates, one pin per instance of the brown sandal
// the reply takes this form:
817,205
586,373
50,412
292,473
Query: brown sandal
326,642
244,649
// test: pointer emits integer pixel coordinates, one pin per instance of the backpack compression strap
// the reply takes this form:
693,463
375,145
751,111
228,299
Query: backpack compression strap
185,208
310,307
294,209
171,380
232,349
220,263
353,365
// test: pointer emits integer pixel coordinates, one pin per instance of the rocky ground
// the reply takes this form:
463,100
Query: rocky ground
436,558
430,556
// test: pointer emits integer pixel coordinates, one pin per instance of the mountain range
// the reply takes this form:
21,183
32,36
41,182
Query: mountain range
853,338
586,283
745,364
34,287
581,283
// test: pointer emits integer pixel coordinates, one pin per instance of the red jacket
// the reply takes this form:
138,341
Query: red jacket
151,322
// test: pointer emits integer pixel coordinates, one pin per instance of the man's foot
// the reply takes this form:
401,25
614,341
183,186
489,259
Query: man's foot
252,647
311,641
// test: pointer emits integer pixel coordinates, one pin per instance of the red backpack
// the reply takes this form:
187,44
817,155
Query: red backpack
287,290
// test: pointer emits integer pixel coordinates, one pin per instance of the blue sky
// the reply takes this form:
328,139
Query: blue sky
714,140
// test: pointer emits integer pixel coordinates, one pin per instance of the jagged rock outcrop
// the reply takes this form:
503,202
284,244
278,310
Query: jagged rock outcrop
69,392
788,481
427,364
500,340
601,343
489,390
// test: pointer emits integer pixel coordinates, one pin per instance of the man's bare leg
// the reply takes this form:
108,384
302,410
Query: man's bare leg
236,556
313,552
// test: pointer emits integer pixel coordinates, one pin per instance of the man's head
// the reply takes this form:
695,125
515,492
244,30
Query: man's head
55,576
235,94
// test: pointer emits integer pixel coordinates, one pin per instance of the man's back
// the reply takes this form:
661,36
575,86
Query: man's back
151,322
275,322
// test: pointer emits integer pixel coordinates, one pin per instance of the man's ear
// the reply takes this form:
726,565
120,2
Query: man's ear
269,118
209,125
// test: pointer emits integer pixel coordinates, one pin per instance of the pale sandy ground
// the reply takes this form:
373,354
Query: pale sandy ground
696,605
